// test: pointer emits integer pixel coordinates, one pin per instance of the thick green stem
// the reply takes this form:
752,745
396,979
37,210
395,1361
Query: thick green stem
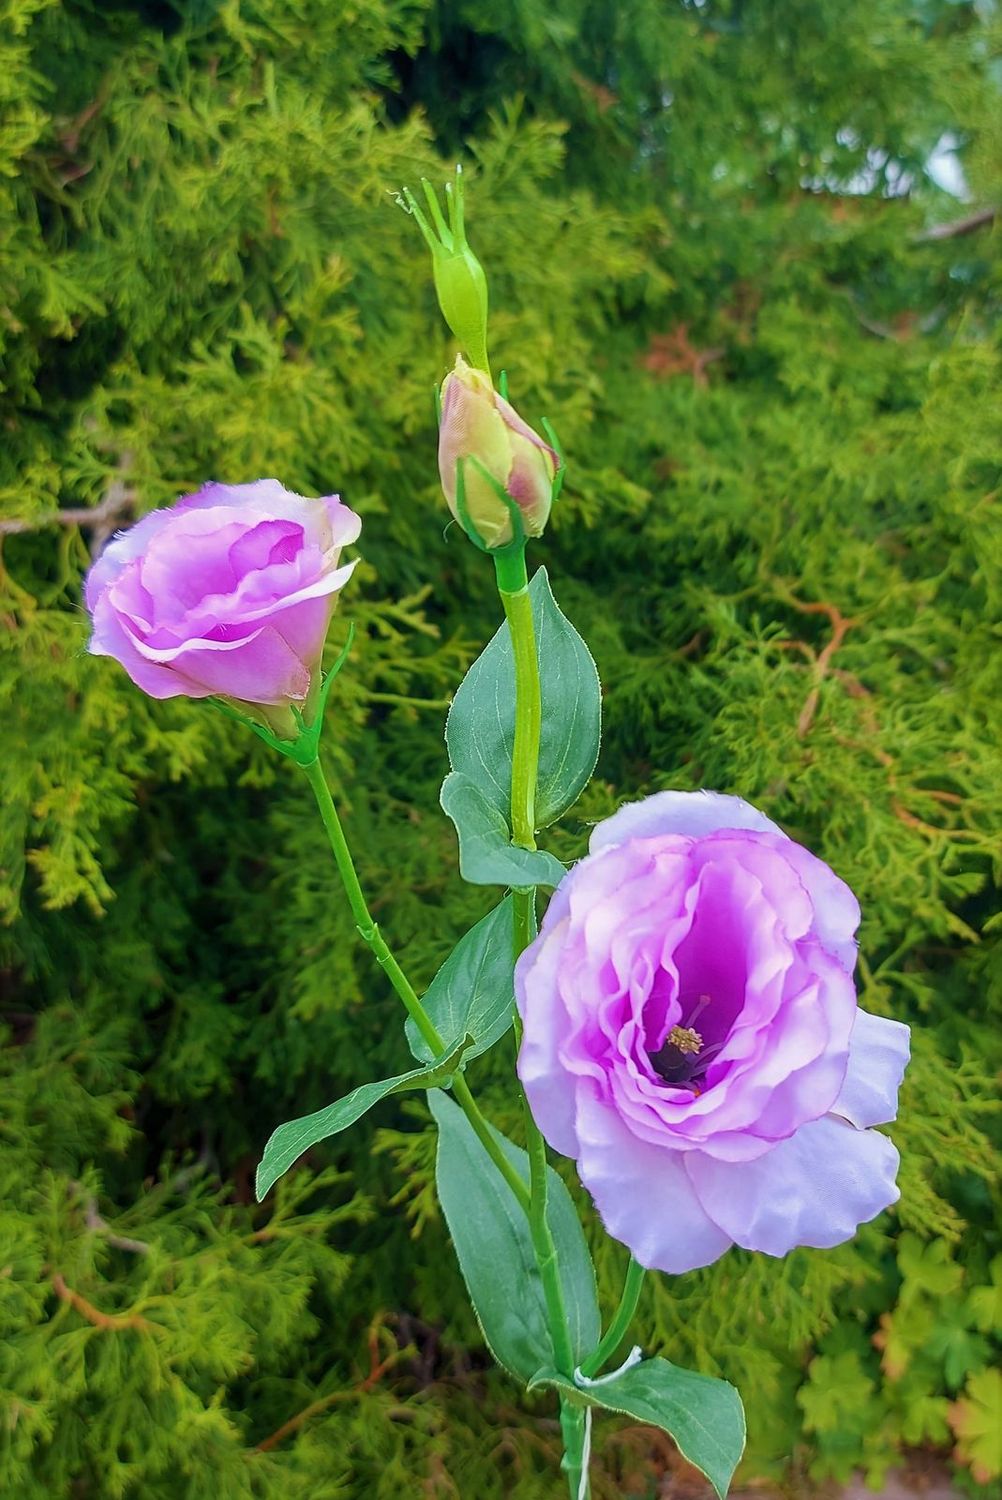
370,934
619,1327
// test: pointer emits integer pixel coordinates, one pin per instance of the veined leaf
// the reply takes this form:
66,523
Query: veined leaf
491,1234
702,1415
290,1140
473,993
486,854
480,730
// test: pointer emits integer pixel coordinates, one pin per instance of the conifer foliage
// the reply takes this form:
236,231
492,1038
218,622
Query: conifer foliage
771,341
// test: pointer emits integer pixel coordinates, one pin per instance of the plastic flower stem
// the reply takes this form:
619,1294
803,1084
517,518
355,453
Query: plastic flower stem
370,934
513,586
619,1327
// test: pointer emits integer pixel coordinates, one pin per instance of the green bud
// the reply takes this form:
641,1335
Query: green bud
459,277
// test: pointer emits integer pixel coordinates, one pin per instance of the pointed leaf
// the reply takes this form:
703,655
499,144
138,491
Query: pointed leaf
289,1141
491,1235
704,1416
486,854
473,993
480,730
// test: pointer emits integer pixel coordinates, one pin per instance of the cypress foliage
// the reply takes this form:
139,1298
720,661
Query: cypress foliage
708,227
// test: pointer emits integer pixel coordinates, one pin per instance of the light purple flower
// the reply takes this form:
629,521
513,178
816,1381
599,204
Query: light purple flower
691,1037
228,592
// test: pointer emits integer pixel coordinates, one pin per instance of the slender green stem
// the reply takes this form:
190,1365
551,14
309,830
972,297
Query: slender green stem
370,934
367,927
621,1321
574,1426
513,587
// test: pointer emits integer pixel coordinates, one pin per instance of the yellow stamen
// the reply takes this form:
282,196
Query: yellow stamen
685,1039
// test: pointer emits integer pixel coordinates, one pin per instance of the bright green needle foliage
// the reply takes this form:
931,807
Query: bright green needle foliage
779,538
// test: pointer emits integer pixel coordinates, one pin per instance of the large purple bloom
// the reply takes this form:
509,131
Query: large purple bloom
691,1037
228,592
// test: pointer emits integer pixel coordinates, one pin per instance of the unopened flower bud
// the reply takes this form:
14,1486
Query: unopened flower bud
459,277
499,455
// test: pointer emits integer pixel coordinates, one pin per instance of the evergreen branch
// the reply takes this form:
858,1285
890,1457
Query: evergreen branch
98,1225
956,227
113,1322
377,1369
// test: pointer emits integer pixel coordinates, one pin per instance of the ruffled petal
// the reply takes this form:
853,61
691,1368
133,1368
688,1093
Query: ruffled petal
548,1087
642,1192
878,1056
693,814
262,669
814,1189
123,549
325,521
836,910
110,638
270,612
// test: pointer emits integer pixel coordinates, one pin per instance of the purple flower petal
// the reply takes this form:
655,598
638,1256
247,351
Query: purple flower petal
814,1189
878,1056
693,814
110,638
642,1193
230,591
263,668
692,997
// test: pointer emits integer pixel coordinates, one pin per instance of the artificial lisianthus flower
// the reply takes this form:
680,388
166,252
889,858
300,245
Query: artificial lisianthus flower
692,1038
228,592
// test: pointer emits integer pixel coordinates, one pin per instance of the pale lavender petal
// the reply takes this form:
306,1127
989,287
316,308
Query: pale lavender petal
692,814
263,545
814,1189
261,669
642,1192
878,1056
836,910
345,525
268,498
110,638
213,611
547,1086
191,559
123,549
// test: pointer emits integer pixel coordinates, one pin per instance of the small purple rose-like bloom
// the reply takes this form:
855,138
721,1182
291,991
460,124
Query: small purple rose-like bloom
691,1037
228,592
479,427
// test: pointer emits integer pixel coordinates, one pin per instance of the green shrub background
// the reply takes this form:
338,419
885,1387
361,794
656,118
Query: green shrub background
780,536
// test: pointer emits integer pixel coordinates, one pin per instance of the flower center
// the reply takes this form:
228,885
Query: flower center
683,1058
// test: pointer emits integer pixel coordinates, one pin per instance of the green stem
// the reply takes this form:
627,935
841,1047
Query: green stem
620,1324
370,934
513,586
574,1428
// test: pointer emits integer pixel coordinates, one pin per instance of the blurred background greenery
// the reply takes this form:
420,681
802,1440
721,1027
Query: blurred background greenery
742,253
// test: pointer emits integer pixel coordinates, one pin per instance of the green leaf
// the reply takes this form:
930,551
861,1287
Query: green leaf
491,1235
486,854
702,1415
473,993
290,1140
986,1301
480,730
